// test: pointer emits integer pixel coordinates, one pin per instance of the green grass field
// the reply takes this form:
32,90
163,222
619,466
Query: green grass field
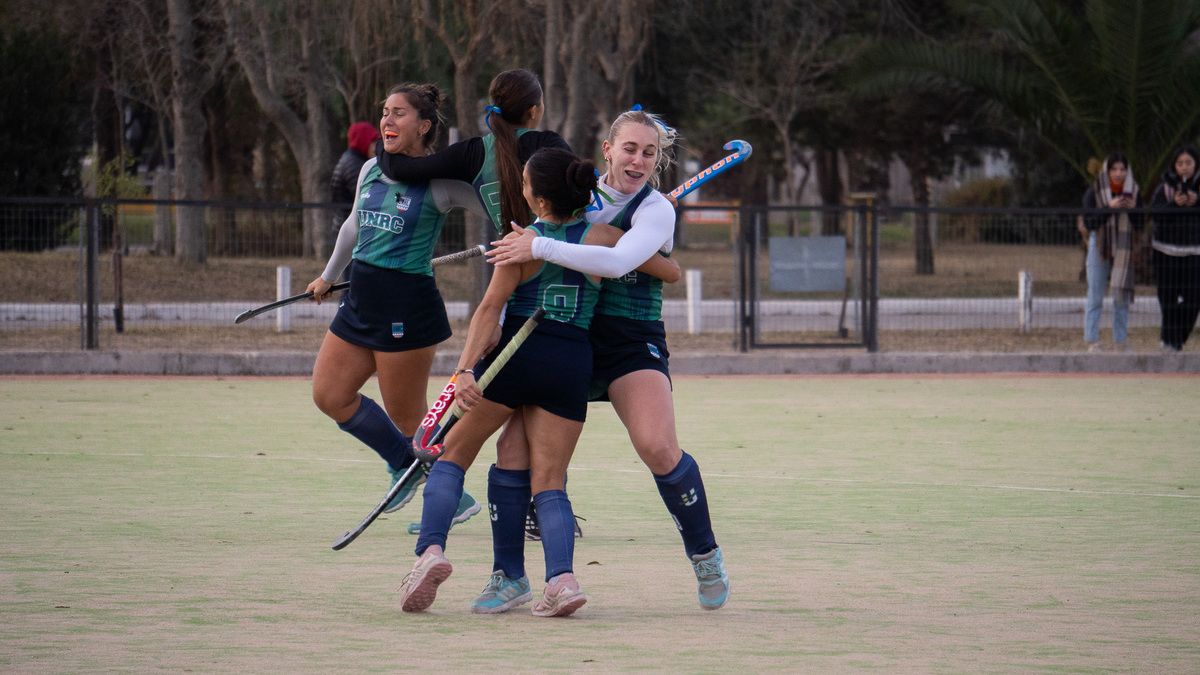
995,524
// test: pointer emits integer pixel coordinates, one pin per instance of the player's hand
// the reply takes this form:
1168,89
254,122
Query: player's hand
674,201
513,250
319,289
467,393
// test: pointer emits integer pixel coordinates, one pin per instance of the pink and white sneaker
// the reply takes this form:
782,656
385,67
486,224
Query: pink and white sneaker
420,585
561,597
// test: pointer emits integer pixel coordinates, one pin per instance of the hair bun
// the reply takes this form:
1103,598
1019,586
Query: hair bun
431,92
582,175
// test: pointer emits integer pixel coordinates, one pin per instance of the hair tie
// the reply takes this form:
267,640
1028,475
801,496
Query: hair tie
637,107
487,119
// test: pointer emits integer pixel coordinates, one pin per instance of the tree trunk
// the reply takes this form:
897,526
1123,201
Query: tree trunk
829,183
922,235
189,131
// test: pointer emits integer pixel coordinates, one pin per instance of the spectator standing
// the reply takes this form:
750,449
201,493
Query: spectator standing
1108,230
1176,245
360,146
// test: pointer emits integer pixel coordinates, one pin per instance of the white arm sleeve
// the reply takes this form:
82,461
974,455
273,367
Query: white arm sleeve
343,248
452,194
653,229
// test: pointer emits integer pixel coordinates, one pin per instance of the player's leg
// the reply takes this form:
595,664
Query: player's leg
403,382
509,500
340,371
643,401
552,441
443,489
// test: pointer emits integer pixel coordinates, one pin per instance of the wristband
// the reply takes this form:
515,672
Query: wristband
460,371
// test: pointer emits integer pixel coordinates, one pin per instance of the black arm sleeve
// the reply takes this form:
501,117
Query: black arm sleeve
532,141
460,161
1092,221
1159,199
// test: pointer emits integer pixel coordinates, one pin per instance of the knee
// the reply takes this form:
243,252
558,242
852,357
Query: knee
660,457
335,403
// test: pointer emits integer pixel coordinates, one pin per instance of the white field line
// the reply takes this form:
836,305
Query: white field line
736,476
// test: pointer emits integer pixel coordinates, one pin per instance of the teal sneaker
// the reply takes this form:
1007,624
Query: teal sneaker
406,494
502,594
467,508
713,589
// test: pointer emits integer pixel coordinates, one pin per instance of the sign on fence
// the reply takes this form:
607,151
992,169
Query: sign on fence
807,264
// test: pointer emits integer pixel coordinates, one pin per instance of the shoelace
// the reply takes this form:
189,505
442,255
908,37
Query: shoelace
707,568
493,584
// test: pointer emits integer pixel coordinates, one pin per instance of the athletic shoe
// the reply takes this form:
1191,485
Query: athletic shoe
467,508
420,585
406,494
534,533
502,594
561,597
713,589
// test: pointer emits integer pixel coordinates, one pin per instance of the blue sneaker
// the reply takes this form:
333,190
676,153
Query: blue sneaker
406,494
502,594
467,508
713,589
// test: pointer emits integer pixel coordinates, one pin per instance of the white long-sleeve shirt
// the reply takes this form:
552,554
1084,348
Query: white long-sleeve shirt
652,230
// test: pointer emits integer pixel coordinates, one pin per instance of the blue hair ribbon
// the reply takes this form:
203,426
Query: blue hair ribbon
487,119
637,107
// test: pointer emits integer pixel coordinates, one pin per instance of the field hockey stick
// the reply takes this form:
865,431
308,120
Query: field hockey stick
473,252
741,151
427,445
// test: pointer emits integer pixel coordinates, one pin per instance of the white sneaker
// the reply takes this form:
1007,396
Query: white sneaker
420,585
561,597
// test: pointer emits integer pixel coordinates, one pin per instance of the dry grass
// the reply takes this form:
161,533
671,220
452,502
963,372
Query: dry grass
963,270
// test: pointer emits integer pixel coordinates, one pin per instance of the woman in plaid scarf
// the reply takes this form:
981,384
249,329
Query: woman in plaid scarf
1109,233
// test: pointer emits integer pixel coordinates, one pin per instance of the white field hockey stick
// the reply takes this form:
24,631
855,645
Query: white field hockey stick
427,442
741,151
473,252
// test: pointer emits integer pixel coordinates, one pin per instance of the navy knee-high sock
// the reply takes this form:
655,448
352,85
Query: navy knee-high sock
371,425
508,501
556,521
682,490
443,489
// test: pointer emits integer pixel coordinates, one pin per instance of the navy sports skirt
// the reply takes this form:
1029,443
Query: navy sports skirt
551,370
388,310
621,346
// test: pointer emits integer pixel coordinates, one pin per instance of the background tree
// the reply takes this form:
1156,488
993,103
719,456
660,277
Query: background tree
1088,78
282,53
44,134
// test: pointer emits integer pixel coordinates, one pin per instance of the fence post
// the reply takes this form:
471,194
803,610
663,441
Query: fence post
741,318
873,287
283,288
695,303
91,339
1024,301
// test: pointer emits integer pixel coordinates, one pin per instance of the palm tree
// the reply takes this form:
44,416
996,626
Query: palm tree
1088,77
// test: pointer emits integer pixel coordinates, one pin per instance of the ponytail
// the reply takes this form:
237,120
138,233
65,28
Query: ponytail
513,93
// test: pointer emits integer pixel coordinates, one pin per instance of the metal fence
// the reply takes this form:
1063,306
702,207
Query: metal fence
100,274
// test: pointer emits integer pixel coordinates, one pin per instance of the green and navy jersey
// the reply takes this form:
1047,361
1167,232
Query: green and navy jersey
398,224
567,296
635,295
487,181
